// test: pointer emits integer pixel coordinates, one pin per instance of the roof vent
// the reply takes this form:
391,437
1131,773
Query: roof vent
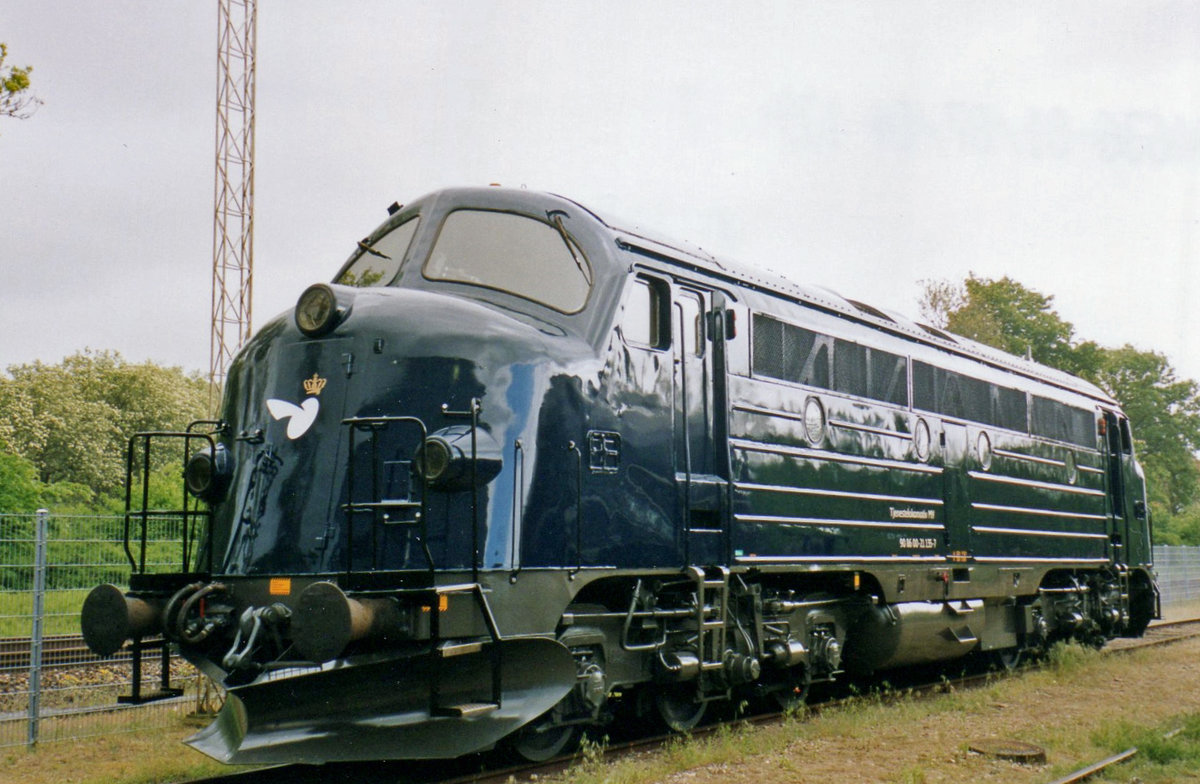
937,332
876,312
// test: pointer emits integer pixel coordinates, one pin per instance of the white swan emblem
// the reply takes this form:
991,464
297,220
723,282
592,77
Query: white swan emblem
300,417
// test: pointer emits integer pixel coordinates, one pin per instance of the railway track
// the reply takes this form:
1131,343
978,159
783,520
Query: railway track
58,650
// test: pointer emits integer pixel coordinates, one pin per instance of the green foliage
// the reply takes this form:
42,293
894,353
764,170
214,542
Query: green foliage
1008,316
1164,410
15,98
72,422
19,485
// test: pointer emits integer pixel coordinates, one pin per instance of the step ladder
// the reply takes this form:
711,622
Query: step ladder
712,615
442,650
1124,583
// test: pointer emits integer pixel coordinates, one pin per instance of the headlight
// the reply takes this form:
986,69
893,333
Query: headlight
319,309
434,457
207,473
444,460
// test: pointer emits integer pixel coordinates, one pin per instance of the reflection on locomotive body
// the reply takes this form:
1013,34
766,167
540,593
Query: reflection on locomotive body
521,470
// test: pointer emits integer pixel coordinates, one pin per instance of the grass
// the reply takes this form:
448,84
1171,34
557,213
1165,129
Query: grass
822,747
144,756
1164,755
61,612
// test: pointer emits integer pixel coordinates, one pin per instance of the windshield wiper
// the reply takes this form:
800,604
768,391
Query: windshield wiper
557,217
363,244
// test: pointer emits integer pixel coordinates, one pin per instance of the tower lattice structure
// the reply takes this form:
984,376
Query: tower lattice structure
233,224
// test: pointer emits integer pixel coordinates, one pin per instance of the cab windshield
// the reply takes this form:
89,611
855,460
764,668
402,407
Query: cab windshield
378,263
528,258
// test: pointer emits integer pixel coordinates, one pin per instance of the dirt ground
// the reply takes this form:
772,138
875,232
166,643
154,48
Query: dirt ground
1061,711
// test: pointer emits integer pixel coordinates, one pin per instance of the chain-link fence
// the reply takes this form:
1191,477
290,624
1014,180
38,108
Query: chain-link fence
53,688
1178,571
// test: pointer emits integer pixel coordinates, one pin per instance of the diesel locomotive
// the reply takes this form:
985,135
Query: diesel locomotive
522,469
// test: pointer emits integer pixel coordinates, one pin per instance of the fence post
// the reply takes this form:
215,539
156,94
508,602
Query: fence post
39,613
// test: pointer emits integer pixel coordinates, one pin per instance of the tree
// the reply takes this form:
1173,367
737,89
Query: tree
15,98
71,421
1008,316
20,490
1165,412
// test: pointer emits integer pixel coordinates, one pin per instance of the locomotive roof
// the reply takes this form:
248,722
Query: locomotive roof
631,236
636,238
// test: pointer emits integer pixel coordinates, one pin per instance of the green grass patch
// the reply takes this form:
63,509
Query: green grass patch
1167,752
61,610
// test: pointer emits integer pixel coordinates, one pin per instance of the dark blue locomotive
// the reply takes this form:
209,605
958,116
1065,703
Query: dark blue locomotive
519,470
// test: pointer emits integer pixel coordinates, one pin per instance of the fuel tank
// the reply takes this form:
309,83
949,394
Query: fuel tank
887,636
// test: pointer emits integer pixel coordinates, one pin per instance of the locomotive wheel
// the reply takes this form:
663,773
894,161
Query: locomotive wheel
678,708
1007,659
538,743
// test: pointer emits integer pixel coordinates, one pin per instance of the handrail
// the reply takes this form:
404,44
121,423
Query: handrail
375,425
188,513
473,414
573,448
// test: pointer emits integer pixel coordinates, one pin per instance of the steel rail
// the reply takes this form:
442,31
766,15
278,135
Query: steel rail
1098,767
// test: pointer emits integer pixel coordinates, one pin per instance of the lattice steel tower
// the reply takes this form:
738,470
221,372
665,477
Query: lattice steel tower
233,225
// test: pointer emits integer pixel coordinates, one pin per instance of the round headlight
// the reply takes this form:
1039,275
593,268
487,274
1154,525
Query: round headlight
316,310
433,458
207,473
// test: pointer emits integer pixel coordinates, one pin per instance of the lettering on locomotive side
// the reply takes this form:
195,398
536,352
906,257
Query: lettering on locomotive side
911,514
917,542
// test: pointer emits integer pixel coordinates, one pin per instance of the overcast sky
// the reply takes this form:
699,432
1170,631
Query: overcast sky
861,146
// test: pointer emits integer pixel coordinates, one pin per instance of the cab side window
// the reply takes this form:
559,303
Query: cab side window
645,321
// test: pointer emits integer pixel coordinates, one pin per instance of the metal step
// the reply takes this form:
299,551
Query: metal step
963,636
448,649
466,709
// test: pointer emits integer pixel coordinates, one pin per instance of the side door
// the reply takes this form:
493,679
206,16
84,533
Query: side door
1125,491
955,451
701,483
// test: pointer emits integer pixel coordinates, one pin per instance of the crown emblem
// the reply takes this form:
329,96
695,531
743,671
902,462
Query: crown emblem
314,385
